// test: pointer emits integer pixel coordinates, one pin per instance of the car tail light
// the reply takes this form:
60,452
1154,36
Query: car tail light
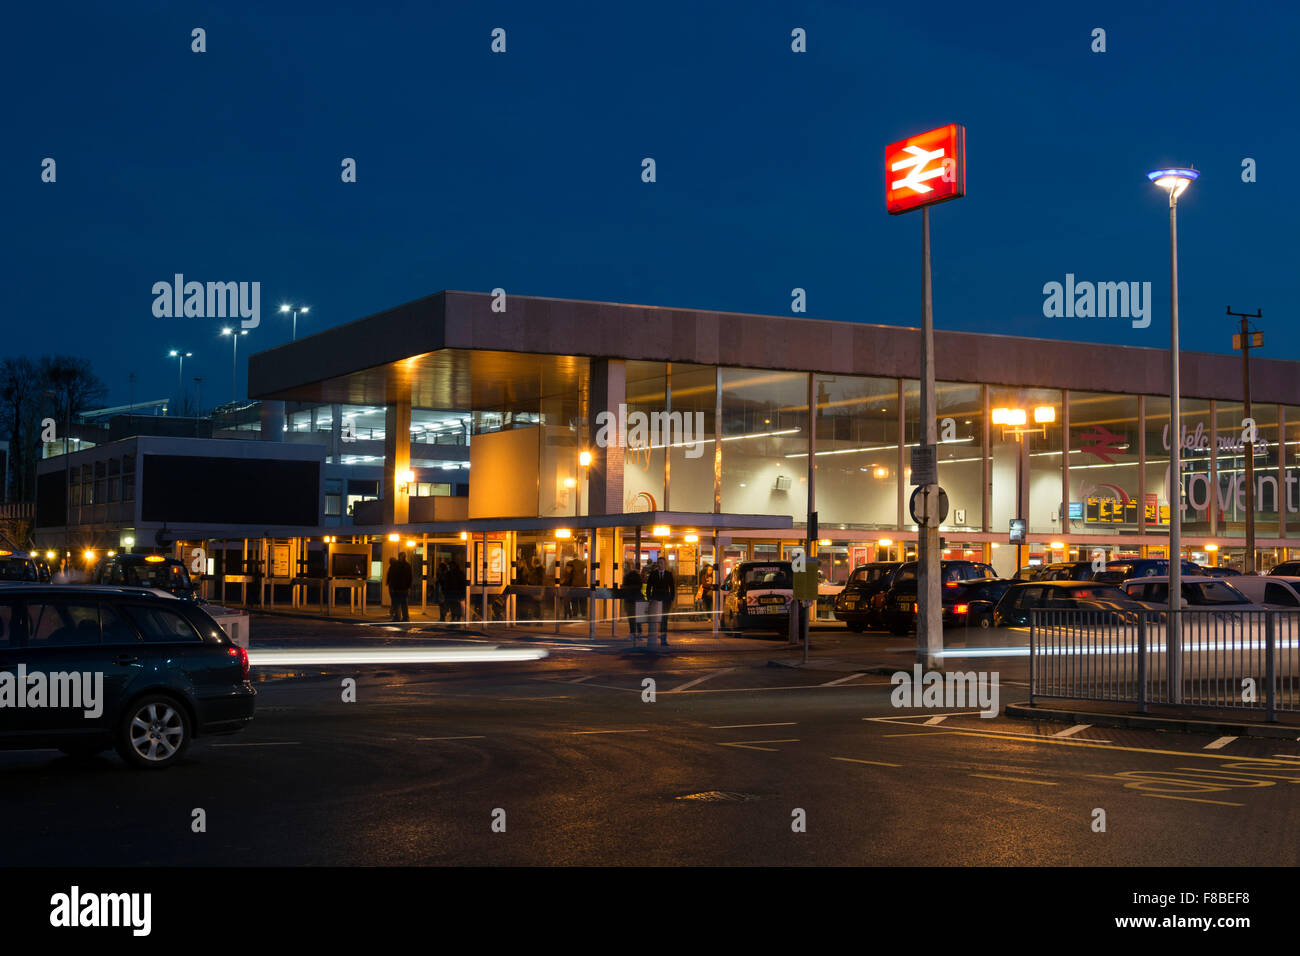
961,609
241,655
951,584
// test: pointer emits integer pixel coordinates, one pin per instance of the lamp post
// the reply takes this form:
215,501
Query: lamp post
295,309
180,368
1174,181
234,356
1015,420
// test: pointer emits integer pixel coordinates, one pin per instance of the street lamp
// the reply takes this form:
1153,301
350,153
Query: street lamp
1174,181
180,367
295,309
1015,420
234,356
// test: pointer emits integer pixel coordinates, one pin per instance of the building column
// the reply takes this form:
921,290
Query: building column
272,421
397,458
608,390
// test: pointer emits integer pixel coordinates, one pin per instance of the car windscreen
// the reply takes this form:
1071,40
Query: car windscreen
17,569
1212,594
766,576
158,574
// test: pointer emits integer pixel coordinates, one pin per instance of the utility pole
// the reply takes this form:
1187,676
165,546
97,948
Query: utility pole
1243,341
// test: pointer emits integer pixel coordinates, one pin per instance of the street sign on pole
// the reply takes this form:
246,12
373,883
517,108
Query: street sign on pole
1017,531
924,169
929,505
925,465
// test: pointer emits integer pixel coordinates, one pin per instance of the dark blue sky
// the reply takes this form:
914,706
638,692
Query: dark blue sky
522,170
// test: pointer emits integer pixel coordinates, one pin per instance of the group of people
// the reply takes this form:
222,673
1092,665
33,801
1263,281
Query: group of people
653,583
451,583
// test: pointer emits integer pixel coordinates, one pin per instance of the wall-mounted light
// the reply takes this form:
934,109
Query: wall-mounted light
410,544
89,555
885,542
394,537
563,533
824,543
1211,547
661,531
464,536
405,478
584,459
691,538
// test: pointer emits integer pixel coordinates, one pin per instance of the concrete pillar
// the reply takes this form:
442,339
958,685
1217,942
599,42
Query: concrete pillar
336,433
605,483
272,421
397,459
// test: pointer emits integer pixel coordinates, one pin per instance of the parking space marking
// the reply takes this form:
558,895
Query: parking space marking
464,737
752,744
561,697
579,733
992,776
1165,796
953,713
783,723
1220,743
1071,731
841,680
874,763
581,679
1071,742
937,719
699,680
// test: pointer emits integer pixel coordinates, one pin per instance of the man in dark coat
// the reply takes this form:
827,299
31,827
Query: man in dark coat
631,591
456,590
662,587
400,578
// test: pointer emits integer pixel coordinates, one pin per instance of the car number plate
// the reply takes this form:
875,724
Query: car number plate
771,599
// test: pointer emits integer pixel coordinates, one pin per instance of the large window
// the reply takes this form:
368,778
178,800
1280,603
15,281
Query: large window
1105,485
857,451
765,442
1039,470
1269,493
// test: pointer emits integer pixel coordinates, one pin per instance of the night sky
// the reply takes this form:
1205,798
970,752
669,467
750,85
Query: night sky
523,169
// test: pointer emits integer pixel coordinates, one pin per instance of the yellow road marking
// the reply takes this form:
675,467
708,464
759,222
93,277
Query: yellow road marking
990,776
750,744
1222,803
874,763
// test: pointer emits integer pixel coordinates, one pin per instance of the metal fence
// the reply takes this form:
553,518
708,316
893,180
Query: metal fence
1212,659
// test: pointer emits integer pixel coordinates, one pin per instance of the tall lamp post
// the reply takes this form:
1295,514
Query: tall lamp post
234,356
180,368
1174,181
295,309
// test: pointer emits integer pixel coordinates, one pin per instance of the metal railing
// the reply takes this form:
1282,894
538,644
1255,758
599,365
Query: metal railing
1210,658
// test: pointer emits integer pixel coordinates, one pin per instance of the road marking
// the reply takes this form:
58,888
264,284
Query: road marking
269,743
465,737
580,679
1069,742
937,719
751,744
699,680
575,733
954,713
1220,743
1287,756
991,776
1162,796
561,697
784,723
1071,731
874,763
841,680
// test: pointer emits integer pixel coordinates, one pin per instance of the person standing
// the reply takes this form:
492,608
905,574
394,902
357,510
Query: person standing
706,588
662,587
400,579
391,581
631,591
456,584
444,607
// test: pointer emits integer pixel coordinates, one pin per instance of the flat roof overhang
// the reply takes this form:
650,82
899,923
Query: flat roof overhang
677,520
451,350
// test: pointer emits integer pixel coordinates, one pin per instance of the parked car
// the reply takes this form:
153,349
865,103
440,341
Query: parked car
1270,590
980,598
1065,571
146,570
1199,591
1028,573
167,673
1286,569
1013,610
1123,570
1219,572
757,596
23,566
898,602
854,605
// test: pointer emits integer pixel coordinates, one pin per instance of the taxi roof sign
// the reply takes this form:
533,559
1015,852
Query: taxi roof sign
927,168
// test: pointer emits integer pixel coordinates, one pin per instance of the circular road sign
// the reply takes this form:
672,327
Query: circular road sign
929,505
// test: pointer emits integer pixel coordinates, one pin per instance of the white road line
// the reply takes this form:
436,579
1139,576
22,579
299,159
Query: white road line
1219,744
937,719
275,743
1071,731
784,723
874,763
581,679
699,680
561,697
840,680
955,713
752,744
465,737
576,733
1287,756
742,690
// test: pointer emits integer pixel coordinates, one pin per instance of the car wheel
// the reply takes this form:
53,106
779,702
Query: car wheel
154,732
985,621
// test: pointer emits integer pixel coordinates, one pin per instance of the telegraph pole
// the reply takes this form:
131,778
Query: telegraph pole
1243,341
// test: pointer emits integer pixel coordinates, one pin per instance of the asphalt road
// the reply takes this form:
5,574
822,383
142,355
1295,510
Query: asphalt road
715,770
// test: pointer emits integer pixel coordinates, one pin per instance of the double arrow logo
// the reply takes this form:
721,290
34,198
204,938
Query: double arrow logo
917,160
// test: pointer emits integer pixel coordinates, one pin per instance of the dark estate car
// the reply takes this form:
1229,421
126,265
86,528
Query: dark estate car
1221,572
1124,570
855,605
147,571
1286,569
123,667
898,602
1065,571
1014,607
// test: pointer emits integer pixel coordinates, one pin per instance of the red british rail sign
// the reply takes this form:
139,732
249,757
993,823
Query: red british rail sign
926,168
